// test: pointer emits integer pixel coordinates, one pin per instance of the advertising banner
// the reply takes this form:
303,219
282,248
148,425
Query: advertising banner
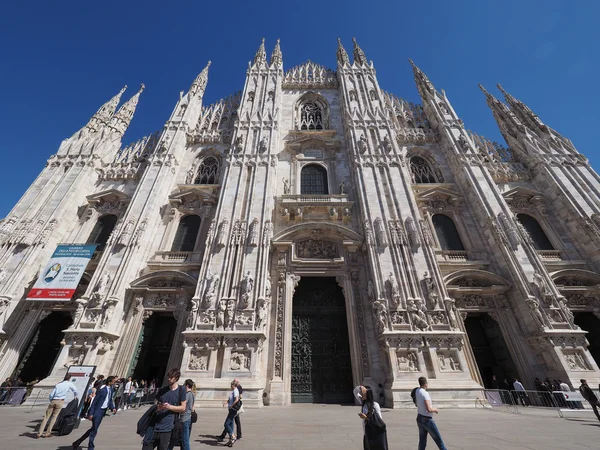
80,376
60,278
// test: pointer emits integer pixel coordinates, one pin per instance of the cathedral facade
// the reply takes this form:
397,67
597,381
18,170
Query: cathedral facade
309,233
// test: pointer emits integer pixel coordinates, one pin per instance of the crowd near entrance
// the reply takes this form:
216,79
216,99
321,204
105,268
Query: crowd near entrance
321,363
489,348
154,346
40,354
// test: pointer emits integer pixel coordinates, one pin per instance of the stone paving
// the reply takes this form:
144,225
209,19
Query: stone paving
327,427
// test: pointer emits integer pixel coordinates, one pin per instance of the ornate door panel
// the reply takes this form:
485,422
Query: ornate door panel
321,366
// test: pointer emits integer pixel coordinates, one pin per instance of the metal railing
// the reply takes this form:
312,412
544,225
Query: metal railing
515,401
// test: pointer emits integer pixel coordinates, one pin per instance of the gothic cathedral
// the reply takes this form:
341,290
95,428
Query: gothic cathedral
306,234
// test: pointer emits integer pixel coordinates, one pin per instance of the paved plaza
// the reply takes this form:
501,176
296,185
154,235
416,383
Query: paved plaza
329,427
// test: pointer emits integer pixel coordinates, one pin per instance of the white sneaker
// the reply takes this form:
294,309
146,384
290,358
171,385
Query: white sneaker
120,409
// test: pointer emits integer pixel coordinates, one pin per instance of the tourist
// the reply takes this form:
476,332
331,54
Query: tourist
238,424
520,393
233,404
425,420
170,400
372,439
129,392
120,390
589,395
102,401
57,399
186,417
99,382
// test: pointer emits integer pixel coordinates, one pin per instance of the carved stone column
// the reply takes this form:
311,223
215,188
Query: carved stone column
129,340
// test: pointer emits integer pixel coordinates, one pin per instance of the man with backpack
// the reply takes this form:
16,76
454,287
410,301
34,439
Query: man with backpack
425,421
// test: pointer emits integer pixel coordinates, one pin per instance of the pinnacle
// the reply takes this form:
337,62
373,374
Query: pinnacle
482,89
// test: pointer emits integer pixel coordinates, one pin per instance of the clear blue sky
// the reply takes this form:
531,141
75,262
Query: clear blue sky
59,61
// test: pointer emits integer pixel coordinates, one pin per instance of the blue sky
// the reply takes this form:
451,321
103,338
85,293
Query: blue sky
59,61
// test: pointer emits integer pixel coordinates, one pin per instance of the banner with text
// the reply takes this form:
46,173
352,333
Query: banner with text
61,276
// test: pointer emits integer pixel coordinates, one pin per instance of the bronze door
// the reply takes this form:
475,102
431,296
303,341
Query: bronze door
321,365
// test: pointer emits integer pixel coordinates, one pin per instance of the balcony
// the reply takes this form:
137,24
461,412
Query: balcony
313,207
453,260
550,255
452,255
165,260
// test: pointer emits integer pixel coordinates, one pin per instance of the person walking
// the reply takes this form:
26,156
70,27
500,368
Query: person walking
233,405
186,417
102,401
238,423
171,400
520,393
425,420
589,395
372,439
57,400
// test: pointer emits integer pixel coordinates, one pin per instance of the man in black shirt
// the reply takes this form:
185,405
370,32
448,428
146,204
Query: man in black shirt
238,424
589,395
170,402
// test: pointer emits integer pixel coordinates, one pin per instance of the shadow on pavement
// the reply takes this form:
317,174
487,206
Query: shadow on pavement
210,439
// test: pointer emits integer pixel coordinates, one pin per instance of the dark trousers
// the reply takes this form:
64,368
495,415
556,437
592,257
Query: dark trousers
92,432
160,440
238,428
594,406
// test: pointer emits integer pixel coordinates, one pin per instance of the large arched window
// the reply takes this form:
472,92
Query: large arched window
313,180
446,232
104,226
536,232
208,172
187,232
311,116
421,171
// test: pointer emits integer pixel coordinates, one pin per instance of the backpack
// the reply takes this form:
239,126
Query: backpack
413,395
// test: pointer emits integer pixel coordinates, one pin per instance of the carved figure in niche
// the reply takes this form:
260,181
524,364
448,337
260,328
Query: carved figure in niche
101,286
387,144
333,212
298,212
370,290
534,308
198,361
126,233
568,314
285,212
286,186
239,144
261,314
221,314
239,361
264,144
189,176
229,313
192,313
281,259
462,143
576,361
444,108
451,310
243,319
75,357
210,293
541,288
222,233
268,286
246,286
81,303
109,310
373,95
408,363
448,363
316,249
394,289
342,188
417,314
254,230
206,317
362,143
381,314
432,295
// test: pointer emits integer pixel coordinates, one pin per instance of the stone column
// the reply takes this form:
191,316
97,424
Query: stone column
20,338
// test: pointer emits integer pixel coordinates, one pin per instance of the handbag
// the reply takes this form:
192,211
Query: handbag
237,406
375,423
194,418
144,422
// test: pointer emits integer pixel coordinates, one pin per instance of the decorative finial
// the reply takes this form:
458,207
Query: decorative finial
261,54
121,120
359,55
342,56
276,56
482,89
199,85
105,113
421,79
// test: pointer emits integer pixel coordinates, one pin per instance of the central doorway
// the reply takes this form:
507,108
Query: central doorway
321,363
490,349
587,321
154,347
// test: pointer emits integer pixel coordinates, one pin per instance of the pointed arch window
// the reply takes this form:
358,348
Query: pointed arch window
535,231
446,232
102,230
313,180
208,172
421,171
311,116
187,233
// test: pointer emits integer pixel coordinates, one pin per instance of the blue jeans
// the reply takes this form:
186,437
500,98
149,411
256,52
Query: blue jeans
229,422
427,425
186,429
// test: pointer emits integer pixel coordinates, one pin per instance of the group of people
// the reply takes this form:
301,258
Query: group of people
14,391
375,432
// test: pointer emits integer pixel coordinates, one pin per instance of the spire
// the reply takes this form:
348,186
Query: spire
121,120
522,111
359,55
261,55
105,113
342,56
199,84
506,120
423,83
276,56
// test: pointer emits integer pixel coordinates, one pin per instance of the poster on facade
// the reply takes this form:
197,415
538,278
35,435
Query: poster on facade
60,277
81,377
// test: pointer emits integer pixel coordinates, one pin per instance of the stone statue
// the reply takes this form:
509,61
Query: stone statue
229,313
101,286
387,144
268,286
451,310
221,314
381,314
534,308
261,314
394,289
109,310
239,144
286,186
189,176
413,365
362,144
246,286
342,188
417,315
210,293
432,295
254,231
81,303
192,314
264,144
568,314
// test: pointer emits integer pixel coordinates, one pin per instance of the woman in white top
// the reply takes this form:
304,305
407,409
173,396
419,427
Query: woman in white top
373,439
234,398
